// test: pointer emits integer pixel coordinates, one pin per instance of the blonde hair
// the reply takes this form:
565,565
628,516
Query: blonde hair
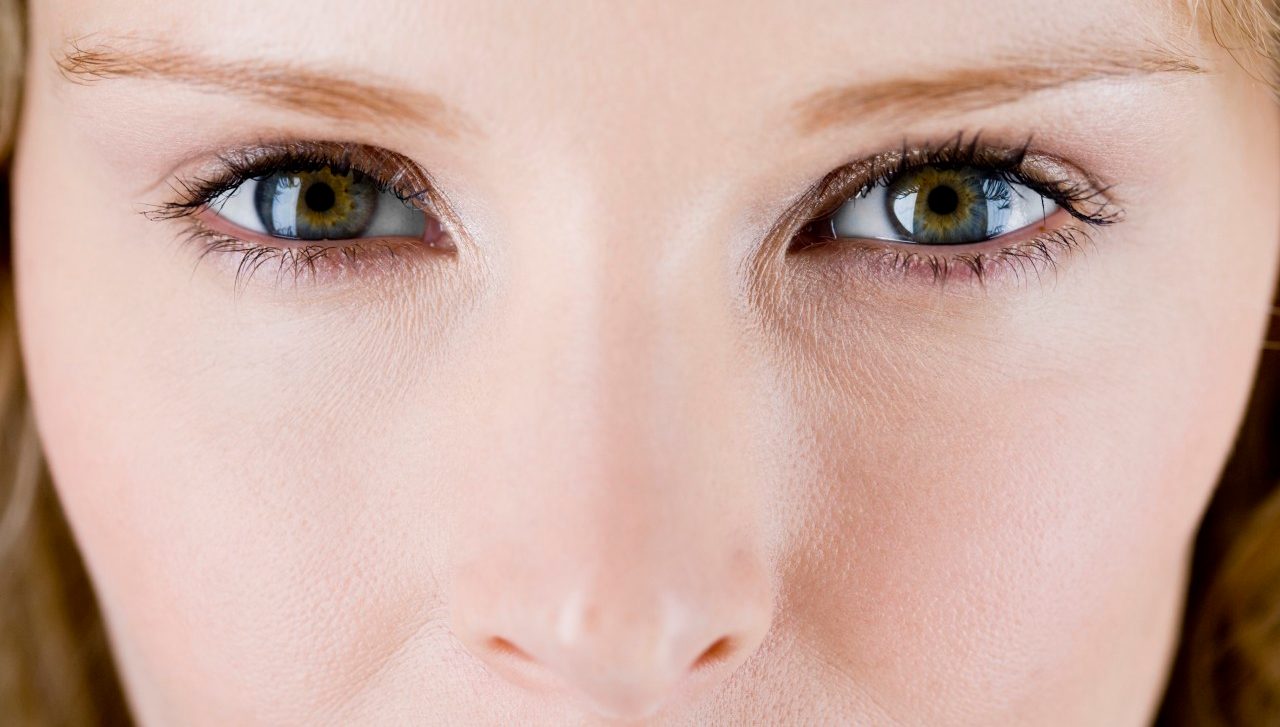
1249,27
55,664
56,667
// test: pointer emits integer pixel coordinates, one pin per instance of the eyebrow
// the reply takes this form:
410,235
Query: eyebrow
283,85
971,89
344,99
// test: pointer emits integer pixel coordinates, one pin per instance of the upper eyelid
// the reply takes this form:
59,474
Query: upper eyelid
1023,162
392,171
389,169
868,170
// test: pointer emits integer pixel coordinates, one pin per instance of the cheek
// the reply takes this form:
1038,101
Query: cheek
246,479
251,502
1000,489
982,534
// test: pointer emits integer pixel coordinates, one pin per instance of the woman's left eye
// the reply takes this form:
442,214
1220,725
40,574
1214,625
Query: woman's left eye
320,204
937,205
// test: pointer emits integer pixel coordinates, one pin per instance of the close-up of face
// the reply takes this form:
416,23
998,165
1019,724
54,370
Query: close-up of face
464,362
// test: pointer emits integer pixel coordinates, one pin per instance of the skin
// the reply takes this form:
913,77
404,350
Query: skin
621,457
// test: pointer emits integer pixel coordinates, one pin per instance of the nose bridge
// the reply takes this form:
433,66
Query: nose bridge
620,320
619,551
620,387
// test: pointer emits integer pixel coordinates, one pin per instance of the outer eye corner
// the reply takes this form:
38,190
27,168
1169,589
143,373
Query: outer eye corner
815,232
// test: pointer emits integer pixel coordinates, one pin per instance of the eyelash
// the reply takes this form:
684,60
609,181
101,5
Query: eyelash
387,171
1083,198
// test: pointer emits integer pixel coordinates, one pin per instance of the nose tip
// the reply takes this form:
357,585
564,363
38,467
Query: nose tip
626,663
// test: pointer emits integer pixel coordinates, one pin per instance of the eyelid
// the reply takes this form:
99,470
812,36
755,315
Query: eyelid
392,172
243,253
1080,194
1085,205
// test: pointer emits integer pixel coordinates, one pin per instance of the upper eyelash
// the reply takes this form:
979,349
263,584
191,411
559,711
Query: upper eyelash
387,171
1088,202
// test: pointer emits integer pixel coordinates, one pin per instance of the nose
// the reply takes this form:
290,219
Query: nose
627,623
613,542
625,650
628,593
611,536
626,589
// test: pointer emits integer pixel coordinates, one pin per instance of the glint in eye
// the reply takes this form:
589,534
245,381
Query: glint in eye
321,204
938,205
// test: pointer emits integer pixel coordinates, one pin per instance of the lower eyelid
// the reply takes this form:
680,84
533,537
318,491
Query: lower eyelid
1057,218
242,256
302,261
1020,256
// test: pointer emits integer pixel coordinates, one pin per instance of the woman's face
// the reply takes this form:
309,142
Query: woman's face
471,362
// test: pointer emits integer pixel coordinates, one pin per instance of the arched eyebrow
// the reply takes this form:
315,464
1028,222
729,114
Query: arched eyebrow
970,89
335,96
286,86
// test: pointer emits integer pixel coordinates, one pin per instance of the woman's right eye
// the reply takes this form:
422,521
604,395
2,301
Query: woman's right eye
319,204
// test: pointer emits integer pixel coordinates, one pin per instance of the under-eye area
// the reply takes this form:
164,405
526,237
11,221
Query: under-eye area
966,208
307,209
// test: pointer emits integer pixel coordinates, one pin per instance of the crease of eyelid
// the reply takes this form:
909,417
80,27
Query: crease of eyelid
86,61
958,90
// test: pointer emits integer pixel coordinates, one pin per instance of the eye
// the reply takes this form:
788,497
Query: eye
319,204
937,205
964,209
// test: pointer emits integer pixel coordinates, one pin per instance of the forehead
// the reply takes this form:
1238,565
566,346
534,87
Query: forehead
574,48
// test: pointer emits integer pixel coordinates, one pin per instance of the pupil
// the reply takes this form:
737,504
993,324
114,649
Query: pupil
320,197
941,200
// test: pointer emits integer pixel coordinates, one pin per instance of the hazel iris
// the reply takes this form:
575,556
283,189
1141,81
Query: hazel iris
316,205
949,206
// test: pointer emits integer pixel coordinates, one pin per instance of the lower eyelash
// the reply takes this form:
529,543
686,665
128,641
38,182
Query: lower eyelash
298,263
1034,257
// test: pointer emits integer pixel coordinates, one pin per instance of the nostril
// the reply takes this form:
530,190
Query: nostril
503,647
714,654
517,664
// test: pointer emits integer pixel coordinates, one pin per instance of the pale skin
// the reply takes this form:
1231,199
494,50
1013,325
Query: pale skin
619,453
